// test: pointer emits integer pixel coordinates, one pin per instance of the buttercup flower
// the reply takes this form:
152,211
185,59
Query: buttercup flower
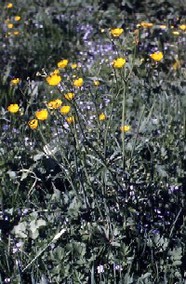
55,104
53,79
62,64
145,25
17,18
69,96
182,27
13,108
116,32
96,83
15,81
65,109
175,33
157,56
102,116
163,27
78,82
125,128
119,62
9,5
74,65
41,114
176,65
16,33
70,119
10,25
33,124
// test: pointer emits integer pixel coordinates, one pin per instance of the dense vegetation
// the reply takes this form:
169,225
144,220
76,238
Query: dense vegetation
93,131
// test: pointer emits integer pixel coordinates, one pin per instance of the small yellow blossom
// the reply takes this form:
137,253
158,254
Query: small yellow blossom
74,65
17,18
15,81
55,104
65,109
176,65
182,27
10,25
145,25
70,119
157,56
13,108
33,124
53,79
9,5
163,27
176,33
63,63
125,128
116,32
69,96
119,62
41,114
102,116
16,33
78,82
96,83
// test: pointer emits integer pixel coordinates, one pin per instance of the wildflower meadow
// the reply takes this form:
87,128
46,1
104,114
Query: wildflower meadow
93,142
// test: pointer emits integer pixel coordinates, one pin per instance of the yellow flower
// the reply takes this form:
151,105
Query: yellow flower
10,25
70,119
15,81
17,18
182,27
175,33
74,65
16,33
9,5
55,104
13,108
125,128
33,124
145,25
116,32
157,56
53,79
176,65
65,109
78,82
63,63
69,96
163,27
119,62
102,116
41,114
96,83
